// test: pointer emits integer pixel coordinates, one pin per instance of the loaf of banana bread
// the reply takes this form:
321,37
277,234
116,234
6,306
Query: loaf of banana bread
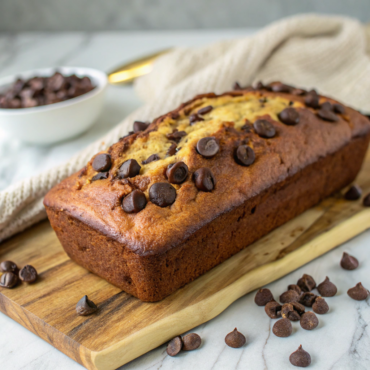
177,197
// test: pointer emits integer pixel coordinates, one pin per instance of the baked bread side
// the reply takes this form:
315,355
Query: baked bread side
164,205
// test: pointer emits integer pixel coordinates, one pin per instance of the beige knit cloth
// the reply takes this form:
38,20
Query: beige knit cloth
329,53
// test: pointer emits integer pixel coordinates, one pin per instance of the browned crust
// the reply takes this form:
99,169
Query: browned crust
153,277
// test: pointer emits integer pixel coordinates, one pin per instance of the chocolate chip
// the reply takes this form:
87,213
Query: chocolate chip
162,194
358,293
353,193
327,106
129,168
289,116
273,309
8,280
264,128
306,283
174,346
320,306
85,307
244,155
204,179
152,158
177,173
282,328
28,274
300,358
289,296
237,86
366,201
327,288
8,266
307,299
134,202
280,87
327,115
172,149
191,341
349,262
309,321
298,307
195,118
176,135
258,85
339,108
208,147
102,162
235,339
205,110
100,176
312,99
140,126
288,312
295,287
263,296
298,92
246,128
175,115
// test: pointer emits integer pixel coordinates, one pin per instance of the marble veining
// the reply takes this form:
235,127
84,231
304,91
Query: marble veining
340,342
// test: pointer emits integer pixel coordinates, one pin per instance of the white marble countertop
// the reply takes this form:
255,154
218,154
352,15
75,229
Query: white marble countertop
342,340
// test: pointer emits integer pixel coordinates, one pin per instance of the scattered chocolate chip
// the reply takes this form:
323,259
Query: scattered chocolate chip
204,179
176,135
152,158
289,296
134,202
208,147
85,307
235,339
174,346
237,86
140,126
172,149
349,262
162,194
327,115
309,321
289,116
8,266
353,193
244,155
102,162
366,201
327,288
280,87
273,309
195,118
295,287
175,115
28,274
129,168
339,108
191,341
320,306
258,85
246,128
100,176
306,283
327,106
263,296
312,99
298,92
177,173
300,358
8,280
282,328
307,299
264,128
358,293
205,110
288,312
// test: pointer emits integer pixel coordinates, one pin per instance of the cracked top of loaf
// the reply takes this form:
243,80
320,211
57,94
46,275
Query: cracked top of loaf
258,137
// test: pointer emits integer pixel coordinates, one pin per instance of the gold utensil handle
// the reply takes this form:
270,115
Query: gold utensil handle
127,73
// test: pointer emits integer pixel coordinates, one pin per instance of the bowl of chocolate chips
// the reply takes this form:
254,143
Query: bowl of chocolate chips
48,105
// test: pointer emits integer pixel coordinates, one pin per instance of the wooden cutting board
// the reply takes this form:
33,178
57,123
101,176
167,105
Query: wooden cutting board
124,327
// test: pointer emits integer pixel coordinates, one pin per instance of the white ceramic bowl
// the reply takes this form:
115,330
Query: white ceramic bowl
55,122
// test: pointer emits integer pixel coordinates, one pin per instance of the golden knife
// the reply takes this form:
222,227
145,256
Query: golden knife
127,73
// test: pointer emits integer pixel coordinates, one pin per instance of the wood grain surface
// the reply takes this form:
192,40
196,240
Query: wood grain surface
124,327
